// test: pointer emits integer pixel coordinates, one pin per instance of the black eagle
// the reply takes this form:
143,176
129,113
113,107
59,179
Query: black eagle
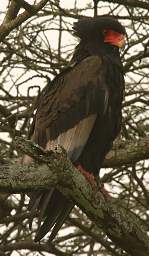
81,111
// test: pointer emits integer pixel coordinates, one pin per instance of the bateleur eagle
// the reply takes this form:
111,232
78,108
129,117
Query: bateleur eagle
81,111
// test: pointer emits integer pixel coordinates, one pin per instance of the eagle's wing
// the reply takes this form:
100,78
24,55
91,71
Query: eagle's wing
74,96
66,115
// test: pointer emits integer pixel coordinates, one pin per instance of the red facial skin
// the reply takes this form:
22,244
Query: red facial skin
114,38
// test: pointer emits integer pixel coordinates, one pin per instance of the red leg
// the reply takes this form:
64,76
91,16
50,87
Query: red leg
90,177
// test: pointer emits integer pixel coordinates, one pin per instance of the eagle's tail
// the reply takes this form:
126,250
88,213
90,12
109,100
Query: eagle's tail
53,208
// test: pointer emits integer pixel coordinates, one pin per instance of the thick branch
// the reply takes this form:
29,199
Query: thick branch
128,154
28,7
7,27
121,226
12,11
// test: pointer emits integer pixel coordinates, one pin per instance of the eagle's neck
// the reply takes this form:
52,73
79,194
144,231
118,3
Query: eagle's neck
86,49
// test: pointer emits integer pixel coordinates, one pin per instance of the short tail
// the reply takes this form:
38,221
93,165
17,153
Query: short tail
53,209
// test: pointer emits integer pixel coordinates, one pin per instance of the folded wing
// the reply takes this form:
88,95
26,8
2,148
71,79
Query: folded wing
66,115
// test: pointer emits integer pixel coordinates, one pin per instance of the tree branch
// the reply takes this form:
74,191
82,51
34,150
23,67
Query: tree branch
12,11
7,27
130,3
128,154
120,225
30,245
28,7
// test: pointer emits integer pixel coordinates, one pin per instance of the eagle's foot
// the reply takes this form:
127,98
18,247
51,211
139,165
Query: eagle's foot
89,177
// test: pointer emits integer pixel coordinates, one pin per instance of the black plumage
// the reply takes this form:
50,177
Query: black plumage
81,111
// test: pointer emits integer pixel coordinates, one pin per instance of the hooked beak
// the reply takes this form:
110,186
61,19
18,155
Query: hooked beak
115,38
120,42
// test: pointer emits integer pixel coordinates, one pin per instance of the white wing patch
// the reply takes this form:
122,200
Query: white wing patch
74,140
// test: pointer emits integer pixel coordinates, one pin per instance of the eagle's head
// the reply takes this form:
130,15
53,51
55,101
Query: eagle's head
105,29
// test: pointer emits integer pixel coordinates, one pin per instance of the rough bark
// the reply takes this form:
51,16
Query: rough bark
54,169
128,153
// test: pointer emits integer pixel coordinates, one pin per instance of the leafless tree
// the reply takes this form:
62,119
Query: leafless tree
36,43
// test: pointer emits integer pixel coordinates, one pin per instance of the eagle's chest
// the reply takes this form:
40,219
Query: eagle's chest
100,140
113,114
107,125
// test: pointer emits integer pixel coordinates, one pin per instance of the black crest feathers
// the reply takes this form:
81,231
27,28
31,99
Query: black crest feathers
86,28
